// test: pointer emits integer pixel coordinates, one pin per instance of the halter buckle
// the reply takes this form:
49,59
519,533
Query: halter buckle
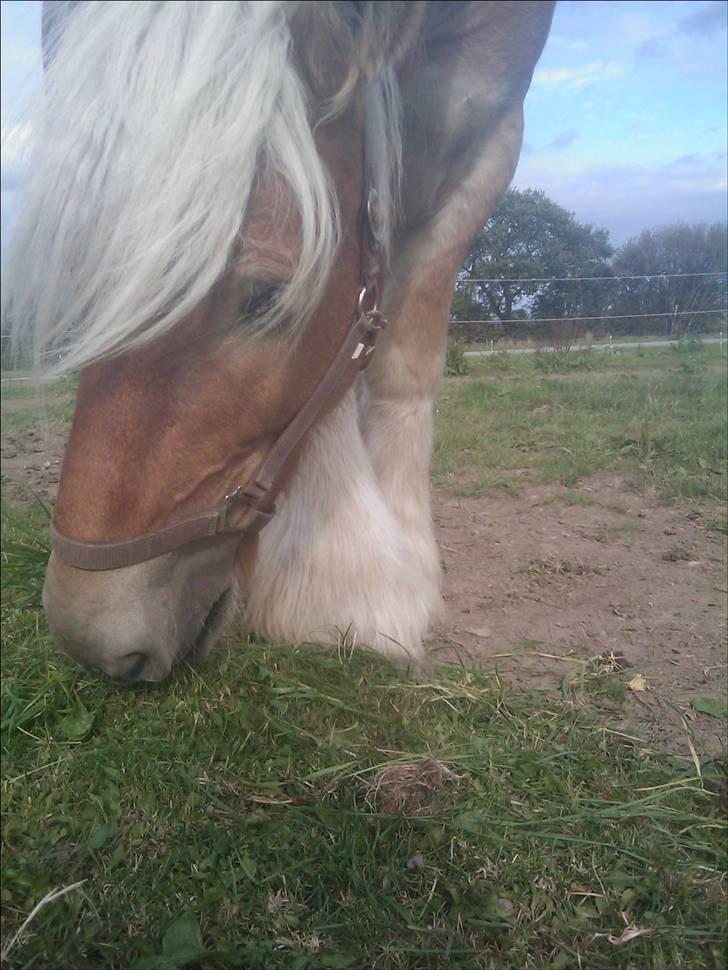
251,495
229,502
372,317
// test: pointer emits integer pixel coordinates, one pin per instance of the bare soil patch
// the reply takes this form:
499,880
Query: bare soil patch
32,458
536,587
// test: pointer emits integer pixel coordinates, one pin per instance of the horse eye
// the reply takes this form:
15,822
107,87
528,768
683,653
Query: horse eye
260,299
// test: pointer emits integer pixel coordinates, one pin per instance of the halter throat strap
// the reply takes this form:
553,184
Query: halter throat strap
250,507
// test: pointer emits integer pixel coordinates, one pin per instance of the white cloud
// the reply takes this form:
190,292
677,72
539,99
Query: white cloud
636,27
629,198
553,75
577,77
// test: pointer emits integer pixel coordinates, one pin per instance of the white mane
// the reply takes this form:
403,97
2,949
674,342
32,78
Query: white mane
154,120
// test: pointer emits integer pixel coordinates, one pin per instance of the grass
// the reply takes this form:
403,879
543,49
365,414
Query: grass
528,343
286,807
28,404
243,801
298,808
658,419
571,497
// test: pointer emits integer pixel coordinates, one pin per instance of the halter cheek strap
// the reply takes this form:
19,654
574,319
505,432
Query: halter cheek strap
251,506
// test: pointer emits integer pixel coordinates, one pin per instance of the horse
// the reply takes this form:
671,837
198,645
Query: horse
226,203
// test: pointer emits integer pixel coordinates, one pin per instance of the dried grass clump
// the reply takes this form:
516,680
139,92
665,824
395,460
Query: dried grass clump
410,789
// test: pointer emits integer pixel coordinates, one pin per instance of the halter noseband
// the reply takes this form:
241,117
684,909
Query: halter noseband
252,505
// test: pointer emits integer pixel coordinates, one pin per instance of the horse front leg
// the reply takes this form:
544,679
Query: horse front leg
396,413
334,564
403,378
351,553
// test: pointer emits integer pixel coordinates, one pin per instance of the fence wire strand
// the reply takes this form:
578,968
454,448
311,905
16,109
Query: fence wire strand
667,314
585,279
604,316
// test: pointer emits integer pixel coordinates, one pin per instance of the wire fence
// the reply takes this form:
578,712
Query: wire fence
601,316
661,309
584,279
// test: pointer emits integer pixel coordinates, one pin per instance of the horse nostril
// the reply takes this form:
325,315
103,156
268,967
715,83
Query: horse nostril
209,626
132,666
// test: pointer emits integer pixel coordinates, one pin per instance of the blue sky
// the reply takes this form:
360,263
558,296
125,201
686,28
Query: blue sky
626,116
625,120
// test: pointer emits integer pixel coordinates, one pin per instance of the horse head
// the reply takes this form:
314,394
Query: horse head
220,196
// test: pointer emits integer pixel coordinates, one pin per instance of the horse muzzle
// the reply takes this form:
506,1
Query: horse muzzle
139,622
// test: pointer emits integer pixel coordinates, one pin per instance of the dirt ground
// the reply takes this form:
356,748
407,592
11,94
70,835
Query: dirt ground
535,587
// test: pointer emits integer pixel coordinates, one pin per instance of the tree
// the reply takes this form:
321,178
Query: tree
675,249
530,236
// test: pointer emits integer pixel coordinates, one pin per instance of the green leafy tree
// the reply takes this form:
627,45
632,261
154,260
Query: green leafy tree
675,249
530,236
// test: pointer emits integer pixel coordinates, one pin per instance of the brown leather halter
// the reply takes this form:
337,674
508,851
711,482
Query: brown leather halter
252,505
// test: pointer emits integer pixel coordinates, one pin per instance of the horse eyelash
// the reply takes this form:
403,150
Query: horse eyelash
259,300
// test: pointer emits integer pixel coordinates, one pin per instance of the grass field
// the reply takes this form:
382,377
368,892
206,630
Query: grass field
26,405
294,808
589,340
656,416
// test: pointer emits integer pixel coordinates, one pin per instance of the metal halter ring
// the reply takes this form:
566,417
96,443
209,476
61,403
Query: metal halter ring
368,293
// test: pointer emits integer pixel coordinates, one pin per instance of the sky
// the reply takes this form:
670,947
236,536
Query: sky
625,119
626,116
